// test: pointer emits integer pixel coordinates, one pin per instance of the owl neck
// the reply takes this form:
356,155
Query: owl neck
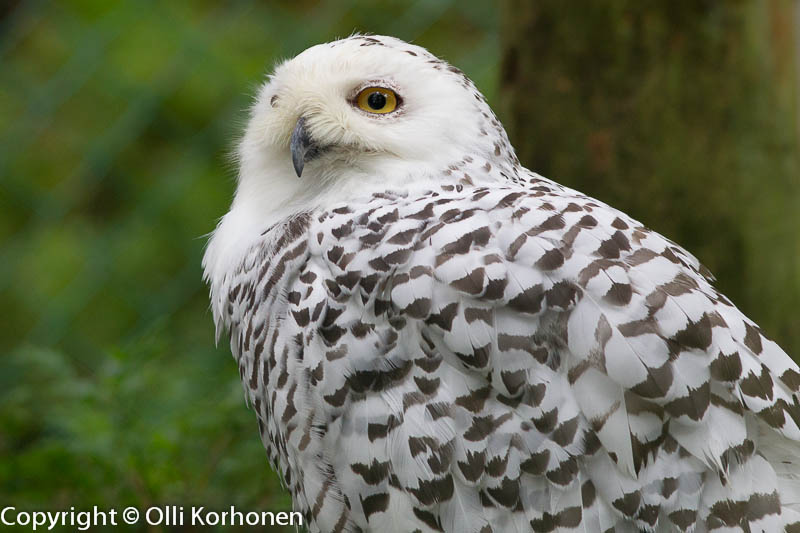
266,197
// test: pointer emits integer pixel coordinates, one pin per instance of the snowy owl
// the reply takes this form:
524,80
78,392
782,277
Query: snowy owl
435,338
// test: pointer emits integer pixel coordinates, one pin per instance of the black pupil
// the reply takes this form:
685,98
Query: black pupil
376,101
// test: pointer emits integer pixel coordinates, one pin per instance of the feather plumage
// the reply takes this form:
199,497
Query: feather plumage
459,344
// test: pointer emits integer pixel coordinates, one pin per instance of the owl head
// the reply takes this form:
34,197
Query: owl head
361,112
348,118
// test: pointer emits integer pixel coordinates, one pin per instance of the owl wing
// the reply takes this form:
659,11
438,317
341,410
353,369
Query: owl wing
515,357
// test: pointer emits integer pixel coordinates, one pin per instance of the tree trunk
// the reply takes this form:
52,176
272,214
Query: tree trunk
680,113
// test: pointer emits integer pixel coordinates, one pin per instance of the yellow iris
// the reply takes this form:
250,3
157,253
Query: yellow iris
377,100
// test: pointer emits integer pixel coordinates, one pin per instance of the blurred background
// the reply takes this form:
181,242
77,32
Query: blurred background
116,124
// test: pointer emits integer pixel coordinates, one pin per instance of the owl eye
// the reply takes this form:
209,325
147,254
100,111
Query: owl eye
377,100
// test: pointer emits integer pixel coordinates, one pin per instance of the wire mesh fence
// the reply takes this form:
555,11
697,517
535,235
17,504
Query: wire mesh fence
116,124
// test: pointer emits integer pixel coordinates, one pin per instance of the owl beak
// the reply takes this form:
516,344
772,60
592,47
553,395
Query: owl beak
303,147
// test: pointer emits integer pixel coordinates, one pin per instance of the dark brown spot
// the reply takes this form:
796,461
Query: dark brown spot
427,386
514,381
609,249
563,294
473,468
343,231
552,223
429,519
424,214
551,260
495,289
696,334
302,317
648,514
418,445
337,398
472,283
374,503
398,256
757,386
419,308
472,314
752,339
374,473
308,277
726,367
335,253
403,237
792,379
658,382
388,218
619,294
536,463
565,433
683,518
483,426
529,301
638,327
474,400
628,504
565,473
588,494
619,224
693,405
479,357
434,490
507,494
379,431
547,422
444,318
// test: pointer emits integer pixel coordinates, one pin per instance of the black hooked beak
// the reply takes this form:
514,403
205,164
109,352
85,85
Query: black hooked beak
303,147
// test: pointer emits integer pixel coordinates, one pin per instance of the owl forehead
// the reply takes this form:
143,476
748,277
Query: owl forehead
344,65
323,82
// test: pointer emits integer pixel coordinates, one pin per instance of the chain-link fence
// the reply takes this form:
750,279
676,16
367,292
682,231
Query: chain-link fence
116,124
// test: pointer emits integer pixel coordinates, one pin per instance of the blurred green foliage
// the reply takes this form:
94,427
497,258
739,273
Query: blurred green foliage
117,120
116,124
